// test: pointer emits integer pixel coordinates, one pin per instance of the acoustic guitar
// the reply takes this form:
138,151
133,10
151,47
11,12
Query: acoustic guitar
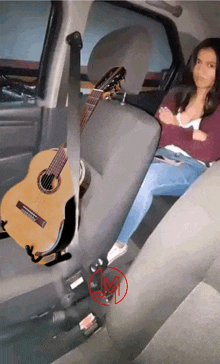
39,212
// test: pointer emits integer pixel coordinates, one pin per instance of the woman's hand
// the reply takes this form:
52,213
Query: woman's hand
167,117
199,135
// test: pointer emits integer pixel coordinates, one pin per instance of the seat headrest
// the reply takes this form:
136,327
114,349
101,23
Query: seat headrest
129,47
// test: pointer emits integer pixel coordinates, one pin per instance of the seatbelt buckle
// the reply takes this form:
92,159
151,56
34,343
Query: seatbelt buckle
88,325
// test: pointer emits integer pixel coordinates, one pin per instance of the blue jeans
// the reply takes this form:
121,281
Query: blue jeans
161,179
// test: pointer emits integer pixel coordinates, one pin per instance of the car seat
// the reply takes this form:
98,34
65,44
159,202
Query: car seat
171,311
117,144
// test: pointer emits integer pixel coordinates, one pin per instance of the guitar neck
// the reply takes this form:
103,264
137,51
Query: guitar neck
60,158
89,107
57,163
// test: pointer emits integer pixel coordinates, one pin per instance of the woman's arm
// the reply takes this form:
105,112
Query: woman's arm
202,144
173,134
207,150
168,102
166,116
199,135
170,129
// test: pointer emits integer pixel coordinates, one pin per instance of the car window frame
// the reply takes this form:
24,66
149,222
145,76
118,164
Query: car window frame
170,27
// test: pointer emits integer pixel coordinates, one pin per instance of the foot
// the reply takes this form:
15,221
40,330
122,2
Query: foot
116,251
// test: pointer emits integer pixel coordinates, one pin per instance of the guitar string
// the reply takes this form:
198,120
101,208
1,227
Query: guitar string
59,163
56,165
94,97
49,169
86,111
41,202
85,116
59,158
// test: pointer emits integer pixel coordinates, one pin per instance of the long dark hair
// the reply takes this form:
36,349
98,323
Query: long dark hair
188,87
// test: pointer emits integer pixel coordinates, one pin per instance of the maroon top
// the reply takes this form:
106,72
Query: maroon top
206,151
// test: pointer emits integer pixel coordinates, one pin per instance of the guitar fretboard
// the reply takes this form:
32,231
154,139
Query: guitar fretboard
57,163
61,158
106,83
90,105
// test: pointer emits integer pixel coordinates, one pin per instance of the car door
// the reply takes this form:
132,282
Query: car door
31,292
26,28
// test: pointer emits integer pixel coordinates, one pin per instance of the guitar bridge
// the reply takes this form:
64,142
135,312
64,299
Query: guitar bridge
31,214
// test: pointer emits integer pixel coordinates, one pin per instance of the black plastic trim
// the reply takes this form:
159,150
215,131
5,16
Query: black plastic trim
53,29
14,71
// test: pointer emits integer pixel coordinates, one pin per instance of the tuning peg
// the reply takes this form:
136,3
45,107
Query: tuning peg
123,100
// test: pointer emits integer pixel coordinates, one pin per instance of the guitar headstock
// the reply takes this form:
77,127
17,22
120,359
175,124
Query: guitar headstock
111,80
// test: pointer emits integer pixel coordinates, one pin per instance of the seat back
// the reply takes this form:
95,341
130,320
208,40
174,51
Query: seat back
118,144
129,47
191,334
168,281
118,154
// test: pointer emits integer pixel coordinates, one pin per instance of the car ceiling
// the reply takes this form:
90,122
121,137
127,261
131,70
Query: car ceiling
190,32
199,20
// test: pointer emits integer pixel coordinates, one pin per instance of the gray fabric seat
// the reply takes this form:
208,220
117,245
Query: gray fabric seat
171,312
118,143
129,47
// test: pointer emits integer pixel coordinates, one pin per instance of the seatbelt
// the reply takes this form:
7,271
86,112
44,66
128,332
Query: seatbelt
73,118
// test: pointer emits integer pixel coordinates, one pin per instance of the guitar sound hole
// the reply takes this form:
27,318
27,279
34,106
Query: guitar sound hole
48,183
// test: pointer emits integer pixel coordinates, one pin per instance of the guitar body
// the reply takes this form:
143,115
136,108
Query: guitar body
54,208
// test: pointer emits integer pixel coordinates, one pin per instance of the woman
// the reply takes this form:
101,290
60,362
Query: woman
190,137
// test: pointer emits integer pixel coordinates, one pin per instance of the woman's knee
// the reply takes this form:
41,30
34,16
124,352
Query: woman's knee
154,176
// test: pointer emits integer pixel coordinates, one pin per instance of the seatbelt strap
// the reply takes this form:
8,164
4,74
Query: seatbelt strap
73,121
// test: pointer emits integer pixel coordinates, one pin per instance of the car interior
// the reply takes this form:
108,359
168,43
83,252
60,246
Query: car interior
169,311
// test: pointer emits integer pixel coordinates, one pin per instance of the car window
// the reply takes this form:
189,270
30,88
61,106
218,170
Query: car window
23,27
104,18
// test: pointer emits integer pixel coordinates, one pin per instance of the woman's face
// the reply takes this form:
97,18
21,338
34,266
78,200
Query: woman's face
205,68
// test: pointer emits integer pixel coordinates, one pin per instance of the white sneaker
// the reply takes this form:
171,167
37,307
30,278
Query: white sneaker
116,251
